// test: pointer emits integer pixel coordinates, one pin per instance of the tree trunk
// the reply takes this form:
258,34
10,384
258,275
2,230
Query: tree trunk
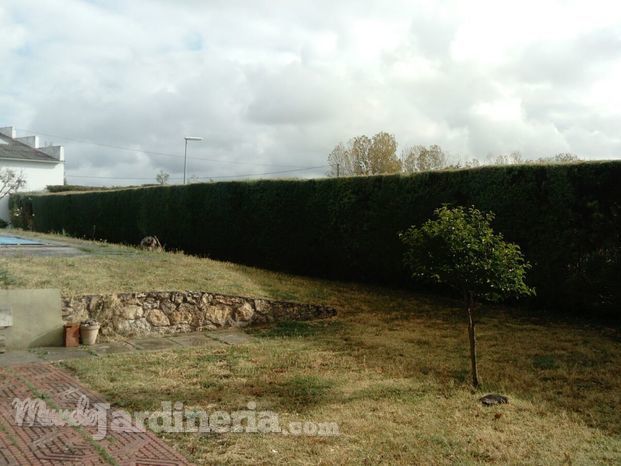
473,342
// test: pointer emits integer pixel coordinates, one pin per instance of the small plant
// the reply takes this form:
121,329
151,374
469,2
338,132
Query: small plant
5,279
460,249
89,323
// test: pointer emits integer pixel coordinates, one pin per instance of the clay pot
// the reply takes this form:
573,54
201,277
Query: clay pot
88,333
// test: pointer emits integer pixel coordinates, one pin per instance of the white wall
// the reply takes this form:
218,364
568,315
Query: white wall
38,176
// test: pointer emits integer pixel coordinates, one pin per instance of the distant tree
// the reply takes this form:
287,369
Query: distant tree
365,156
421,159
516,158
513,158
472,163
162,177
10,181
563,157
340,161
460,249
382,155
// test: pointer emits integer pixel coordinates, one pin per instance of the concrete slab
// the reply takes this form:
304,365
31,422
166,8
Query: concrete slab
37,319
101,349
230,337
152,344
54,354
194,339
19,357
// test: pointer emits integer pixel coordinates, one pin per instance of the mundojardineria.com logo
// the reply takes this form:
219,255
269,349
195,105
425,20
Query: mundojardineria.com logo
172,417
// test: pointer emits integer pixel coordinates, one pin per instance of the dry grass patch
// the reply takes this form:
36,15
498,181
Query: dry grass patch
391,370
399,393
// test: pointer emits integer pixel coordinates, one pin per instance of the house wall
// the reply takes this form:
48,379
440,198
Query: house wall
38,175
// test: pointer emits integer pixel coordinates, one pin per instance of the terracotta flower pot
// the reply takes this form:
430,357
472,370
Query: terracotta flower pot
72,335
88,333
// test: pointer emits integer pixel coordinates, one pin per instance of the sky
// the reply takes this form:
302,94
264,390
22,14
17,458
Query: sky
274,85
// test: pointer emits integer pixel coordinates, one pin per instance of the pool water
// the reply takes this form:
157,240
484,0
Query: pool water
15,241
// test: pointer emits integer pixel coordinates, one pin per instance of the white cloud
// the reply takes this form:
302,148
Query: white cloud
274,84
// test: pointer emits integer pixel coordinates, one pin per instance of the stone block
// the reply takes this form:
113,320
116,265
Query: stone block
157,318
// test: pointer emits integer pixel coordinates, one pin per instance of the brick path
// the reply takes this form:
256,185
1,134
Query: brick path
44,445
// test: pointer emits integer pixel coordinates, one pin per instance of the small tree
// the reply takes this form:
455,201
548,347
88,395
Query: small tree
10,181
162,177
460,249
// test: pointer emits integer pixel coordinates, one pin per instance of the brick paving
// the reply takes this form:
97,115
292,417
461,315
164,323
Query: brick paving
63,445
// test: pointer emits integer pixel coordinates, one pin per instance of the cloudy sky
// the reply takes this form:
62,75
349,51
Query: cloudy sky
273,85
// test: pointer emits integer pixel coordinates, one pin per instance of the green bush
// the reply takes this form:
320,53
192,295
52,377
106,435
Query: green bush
566,218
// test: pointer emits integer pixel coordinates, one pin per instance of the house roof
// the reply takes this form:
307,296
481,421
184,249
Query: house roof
16,150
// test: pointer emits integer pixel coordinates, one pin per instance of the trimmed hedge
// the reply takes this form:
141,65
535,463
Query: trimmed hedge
567,218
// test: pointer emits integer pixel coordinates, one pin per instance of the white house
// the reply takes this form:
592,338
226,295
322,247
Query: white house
40,166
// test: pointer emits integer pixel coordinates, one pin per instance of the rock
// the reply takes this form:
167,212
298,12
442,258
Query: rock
206,300
493,399
167,305
94,304
177,298
150,303
106,309
218,314
157,318
122,327
74,311
182,315
244,313
131,312
141,327
262,306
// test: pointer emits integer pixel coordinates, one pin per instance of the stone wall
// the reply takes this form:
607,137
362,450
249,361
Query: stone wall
168,312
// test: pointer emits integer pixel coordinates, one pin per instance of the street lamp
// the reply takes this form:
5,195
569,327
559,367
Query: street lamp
185,158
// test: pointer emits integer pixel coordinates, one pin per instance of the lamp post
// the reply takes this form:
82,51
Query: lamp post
185,157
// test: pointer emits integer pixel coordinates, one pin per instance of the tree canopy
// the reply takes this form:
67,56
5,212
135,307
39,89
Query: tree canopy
460,249
421,158
365,156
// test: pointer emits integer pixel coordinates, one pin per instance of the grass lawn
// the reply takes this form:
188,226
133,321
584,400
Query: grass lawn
391,369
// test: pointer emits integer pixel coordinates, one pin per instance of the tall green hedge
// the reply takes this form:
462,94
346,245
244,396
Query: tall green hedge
567,218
